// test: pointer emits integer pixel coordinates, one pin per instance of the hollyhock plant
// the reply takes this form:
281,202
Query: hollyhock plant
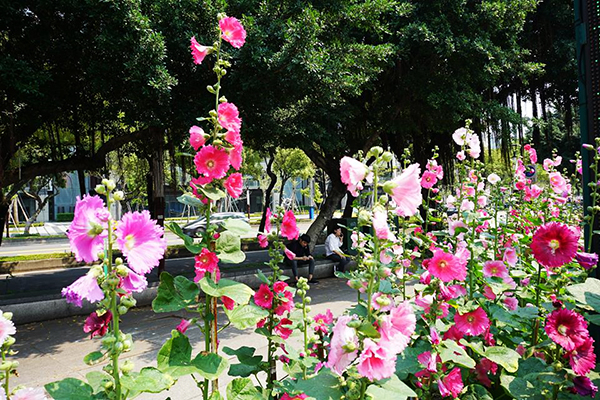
212,162
451,384
344,346
234,185
446,267
198,51
235,156
322,321
495,268
264,297
88,230
406,191
29,394
97,325
587,260
375,362
567,328
583,358
428,180
229,117
184,325
85,287
141,240
197,139
133,282
206,262
472,323
282,329
232,31
289,229
583,386
263,241
7,328
289,254
554,244
352,174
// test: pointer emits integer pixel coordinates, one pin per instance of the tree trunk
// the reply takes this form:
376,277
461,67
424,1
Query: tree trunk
520,124
3,217
157,170
348,209
338,191
537,142
80,151
267,195
568,117
547,127
283,182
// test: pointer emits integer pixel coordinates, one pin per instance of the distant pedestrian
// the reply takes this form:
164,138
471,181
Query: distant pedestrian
302,256
333,251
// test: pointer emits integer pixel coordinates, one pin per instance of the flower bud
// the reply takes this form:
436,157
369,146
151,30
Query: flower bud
110,185
353,324
127,344
307,299
349,347
220,16
212,113
119,195
5,366
15,364
588,146
364,218
383,200
211,89
389,186
123,310
387,156
376,151
127,367
105,182
308,308
100,189
118,347
7,315
223,99
9,341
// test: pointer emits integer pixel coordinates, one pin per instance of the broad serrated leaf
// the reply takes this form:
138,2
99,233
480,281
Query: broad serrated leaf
392,388
242,389
323,386
452,352
94,357
246,315
236,291
212,193
148,380
238,227
190,200
174,294
97,379
69,389
507,358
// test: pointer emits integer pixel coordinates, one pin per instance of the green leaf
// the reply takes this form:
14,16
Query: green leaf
212,193
593,318
69,389
190,200
508,358
215,396
262,277
407,362
390,389
587,293
228,248
174,294
369,330
237,257
97,379
236,291
246,316
451,351
238,227
477,392
242,389
323,386
210,365
94,357
148,380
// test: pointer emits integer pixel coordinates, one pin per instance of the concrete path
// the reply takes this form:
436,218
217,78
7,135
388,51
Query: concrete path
54,350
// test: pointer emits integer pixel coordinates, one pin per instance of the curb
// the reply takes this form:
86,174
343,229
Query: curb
54,308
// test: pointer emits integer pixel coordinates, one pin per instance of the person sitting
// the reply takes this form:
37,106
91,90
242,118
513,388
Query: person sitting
333,251
301,256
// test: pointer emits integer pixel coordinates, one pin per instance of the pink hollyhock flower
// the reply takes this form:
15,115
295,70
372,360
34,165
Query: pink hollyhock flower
510,256
29,394
554,244
397,328
453,334
322,320
140,239
229,117
279,286
533,156
532,192
297,397
235,156
96,324
233,137
281,330
184,325
495,268
384,257
482,201
587,260
583,358
511,303
429,362
85,287
289,229
228,303
583,386
133,282
446,267
473,323
451,384
467,205
375,362
461,156
382,302
452,225
264,297
548,164
428,180
483,368
212,162
287,304
232,31
461,136
263,241
407,191
488,293
567,328
344,346
268,220
200,181
87,231
289,254
493,178
380,225
451,292
198,51
234,185
7,328
196,137
352,174
557,182
206,262
434,336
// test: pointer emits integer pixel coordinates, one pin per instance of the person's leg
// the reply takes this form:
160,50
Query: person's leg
294,265
343,262
339,260
311,270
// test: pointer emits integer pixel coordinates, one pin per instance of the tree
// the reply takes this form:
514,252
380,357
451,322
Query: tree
291,164
33,191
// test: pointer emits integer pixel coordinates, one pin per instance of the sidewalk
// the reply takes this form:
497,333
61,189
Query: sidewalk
54,350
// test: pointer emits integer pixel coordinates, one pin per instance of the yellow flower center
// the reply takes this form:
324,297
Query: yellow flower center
443,264
554,244
129,241
210,164
562,329
470,318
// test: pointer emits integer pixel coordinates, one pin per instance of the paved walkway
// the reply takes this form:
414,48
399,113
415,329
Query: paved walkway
55,349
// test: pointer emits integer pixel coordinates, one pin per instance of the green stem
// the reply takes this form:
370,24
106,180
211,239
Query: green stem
6,376
114,308
537,303
373,270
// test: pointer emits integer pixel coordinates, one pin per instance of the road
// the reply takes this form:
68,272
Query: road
10,249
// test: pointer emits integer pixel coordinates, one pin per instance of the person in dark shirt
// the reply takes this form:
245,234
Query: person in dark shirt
302,256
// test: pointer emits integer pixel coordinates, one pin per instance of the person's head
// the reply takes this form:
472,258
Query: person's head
304,240
337,231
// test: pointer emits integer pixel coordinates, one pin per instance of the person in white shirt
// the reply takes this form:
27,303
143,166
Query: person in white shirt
333,251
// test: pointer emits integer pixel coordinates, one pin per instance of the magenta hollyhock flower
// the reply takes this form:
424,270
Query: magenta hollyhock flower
263,241
510,256
495,268
264,297
451,384
184,325
268,220
87,231
212,162
232,31
235,156
407,191
446,267
229,117
85,287
428,180
583,358
587,260
473,323
281,330
198,51
141,241
7,328
397,328
557,182
289,254
206,262
97,325
29,394
375,362
297,397
133,282
344,346
289,229
352,174
483,368
583,386
322,320
233,137
228,303
554,244
234,185
511,303
567,328
279,286
488,293
196,137
287,303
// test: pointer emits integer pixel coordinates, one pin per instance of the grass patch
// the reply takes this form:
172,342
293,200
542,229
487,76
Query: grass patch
33,236
33,257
